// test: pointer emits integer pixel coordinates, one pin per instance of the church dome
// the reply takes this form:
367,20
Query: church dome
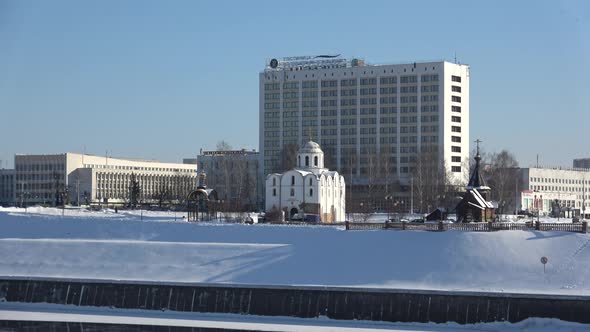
311,147
310,156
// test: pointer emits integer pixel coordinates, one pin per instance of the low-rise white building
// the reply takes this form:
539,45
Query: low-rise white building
40,179
309,189
555,190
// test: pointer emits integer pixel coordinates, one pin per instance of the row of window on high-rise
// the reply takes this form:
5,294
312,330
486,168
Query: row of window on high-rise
39,167
557,180
352,102
353,82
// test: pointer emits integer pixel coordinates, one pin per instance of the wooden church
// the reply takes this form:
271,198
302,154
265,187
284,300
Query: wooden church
475,205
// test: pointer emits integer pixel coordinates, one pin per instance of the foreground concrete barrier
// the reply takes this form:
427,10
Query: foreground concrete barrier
394,305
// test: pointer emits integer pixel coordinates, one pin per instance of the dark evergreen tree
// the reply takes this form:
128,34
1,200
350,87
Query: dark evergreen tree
134,191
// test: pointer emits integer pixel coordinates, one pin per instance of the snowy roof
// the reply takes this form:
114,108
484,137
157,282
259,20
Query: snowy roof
273,174
303,173
310,147
480,200
330,173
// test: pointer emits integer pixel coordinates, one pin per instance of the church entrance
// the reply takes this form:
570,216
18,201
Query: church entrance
293,213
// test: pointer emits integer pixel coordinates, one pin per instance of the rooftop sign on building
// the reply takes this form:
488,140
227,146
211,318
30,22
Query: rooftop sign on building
295,63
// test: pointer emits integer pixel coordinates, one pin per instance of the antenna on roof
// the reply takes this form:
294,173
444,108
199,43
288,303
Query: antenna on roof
455,57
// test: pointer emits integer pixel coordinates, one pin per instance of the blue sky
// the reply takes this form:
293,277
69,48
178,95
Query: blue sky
162,79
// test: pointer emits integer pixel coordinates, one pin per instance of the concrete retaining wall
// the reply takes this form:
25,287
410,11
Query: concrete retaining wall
34,326
333,302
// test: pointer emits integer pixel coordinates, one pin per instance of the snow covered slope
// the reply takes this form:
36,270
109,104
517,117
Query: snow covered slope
100,245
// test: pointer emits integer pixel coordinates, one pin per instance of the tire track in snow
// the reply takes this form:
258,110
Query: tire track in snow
573,279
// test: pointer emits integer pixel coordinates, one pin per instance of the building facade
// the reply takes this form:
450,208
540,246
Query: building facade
368,118
555,190
235,176
582,163
7,187
309,189
79,179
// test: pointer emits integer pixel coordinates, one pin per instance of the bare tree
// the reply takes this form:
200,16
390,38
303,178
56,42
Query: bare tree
432,182
233,178
288,157
352,196
162,195
388,172
330,158
375,183
501,174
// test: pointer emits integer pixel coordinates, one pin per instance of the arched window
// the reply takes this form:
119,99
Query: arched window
310,192
306,160
293,180
299,160
274,191
274,182
310,181
315,161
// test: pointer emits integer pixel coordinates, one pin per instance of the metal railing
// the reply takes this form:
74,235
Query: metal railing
470,227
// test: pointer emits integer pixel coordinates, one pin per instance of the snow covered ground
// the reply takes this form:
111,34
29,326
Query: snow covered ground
108,245
70,313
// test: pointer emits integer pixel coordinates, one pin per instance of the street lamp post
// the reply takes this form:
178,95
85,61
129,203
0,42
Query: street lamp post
361,208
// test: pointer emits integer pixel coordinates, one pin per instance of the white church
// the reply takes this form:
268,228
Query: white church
309,189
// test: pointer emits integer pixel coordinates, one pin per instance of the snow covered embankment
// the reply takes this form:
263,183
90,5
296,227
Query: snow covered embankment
96,245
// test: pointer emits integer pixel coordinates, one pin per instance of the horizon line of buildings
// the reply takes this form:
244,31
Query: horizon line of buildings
55,179
99,180
374,123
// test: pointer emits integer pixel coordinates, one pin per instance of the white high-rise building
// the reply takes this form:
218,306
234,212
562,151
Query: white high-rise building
365,115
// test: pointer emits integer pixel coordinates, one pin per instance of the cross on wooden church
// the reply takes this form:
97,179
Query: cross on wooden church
477,141
475,205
